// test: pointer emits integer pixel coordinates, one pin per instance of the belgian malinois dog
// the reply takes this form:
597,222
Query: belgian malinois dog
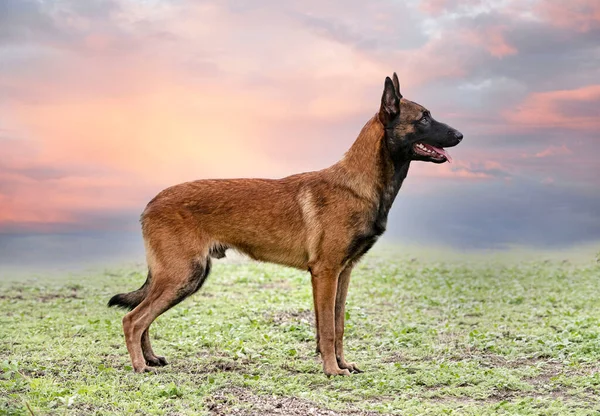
322,222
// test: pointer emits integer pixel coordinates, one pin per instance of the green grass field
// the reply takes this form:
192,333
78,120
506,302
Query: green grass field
434,337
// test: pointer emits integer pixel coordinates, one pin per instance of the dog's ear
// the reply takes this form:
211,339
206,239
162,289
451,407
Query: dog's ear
390,103
397,85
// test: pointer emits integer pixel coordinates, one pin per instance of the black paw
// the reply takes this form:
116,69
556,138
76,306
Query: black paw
157,361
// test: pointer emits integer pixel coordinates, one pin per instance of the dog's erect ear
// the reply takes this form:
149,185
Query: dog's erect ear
397,85
390,103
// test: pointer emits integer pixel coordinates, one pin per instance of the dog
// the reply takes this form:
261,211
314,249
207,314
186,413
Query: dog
322,222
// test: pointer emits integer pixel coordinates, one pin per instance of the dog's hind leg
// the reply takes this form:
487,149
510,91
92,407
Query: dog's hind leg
151,358
170,286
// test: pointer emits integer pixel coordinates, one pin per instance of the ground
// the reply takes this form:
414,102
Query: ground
447,337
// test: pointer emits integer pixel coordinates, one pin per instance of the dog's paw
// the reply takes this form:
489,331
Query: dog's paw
145,369
352,367
156,361
336,371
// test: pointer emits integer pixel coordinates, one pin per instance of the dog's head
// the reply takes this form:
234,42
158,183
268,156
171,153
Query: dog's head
411,132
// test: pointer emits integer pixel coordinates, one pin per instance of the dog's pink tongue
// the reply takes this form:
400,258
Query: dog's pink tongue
443,152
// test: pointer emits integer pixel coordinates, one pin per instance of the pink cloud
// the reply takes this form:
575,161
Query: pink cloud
546,109
580,15
554,151
477,168
433,7
490,38
431,62
35,193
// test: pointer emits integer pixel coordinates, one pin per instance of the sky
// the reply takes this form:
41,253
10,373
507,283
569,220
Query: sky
105,103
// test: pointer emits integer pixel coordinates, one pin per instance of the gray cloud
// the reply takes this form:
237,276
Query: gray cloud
43,27
81,222
497,215
548,57
67,249
25,20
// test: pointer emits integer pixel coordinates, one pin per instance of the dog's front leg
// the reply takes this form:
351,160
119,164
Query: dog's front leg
340,311
324,283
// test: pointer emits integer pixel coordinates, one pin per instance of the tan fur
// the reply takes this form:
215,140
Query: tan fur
314,229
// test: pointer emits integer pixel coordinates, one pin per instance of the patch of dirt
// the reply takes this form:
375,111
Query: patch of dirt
287,317
494,360
316,369
241,366
455,399
13,297
556,394
52,296
485,359
232,366
398,357
33,373
84,408
499,395
243,402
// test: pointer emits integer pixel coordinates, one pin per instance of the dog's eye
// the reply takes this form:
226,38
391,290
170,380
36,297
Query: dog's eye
424,119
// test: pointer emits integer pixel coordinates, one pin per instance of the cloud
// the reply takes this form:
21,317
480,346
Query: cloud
578,15
491,38
485,169
554,151
25,21
438,7
515,212
553,109
44,252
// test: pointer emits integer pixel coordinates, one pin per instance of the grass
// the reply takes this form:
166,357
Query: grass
435,338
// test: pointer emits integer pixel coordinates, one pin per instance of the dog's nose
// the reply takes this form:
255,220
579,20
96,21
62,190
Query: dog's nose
457,135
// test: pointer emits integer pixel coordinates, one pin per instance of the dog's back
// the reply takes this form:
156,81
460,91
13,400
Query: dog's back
259,217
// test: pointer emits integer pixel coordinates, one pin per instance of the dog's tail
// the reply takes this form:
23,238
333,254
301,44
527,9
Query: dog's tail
132,299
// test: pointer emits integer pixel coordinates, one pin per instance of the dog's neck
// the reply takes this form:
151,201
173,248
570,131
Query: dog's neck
370,169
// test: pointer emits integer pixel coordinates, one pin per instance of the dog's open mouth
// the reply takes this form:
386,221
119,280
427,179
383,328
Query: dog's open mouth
436,153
